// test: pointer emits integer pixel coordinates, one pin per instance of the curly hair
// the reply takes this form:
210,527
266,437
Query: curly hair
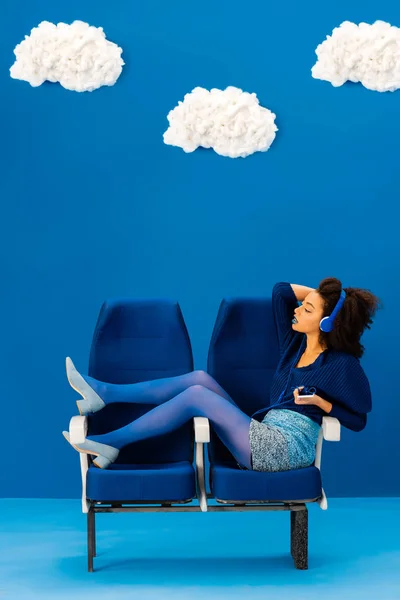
353,318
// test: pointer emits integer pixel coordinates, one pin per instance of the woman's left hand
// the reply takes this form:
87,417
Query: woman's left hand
312,400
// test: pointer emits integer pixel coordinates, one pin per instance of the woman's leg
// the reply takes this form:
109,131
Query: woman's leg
229,422
97,394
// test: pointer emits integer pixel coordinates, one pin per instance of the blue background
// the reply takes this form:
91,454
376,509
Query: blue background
94,205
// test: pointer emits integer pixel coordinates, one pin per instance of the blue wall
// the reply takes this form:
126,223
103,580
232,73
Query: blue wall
94,205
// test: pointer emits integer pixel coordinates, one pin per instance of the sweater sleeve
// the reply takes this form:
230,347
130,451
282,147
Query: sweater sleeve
349,393
351,420
283,304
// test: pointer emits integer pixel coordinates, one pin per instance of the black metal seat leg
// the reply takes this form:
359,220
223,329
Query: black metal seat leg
299,536
91,538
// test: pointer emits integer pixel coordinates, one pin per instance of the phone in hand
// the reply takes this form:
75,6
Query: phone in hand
306,392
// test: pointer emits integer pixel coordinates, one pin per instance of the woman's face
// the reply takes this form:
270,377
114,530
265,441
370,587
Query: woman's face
307,317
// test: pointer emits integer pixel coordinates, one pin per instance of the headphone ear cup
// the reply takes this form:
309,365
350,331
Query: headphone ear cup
326,325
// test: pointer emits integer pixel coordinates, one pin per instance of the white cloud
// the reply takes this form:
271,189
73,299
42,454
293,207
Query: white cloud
77,56
230,121
369,54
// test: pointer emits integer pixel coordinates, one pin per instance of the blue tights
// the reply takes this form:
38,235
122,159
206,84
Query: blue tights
177,400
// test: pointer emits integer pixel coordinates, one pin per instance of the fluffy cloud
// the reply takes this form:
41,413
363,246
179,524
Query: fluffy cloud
364,53
77,56
230,121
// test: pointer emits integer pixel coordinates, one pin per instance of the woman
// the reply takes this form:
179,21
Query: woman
319,374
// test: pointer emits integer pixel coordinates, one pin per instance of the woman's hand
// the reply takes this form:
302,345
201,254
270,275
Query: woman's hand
301,291
313,400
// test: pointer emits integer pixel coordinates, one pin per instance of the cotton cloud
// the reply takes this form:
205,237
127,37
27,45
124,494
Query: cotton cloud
369,54
229,121
77,56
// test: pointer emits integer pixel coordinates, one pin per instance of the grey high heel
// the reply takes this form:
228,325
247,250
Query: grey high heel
91,401
105,455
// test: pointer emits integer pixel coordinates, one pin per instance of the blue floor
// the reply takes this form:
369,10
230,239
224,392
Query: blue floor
354,553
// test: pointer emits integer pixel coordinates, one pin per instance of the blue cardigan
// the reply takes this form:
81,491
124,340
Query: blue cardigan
335,376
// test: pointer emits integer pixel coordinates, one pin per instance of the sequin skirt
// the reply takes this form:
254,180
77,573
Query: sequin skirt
284,440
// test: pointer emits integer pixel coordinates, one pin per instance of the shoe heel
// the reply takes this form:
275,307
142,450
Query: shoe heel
83,407
102,462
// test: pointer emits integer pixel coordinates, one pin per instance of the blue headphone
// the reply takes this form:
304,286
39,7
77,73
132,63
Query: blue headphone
327,323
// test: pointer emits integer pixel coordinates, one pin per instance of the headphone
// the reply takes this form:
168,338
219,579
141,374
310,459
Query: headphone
327,323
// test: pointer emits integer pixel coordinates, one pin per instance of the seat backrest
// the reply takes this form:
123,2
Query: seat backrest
141,340
243,356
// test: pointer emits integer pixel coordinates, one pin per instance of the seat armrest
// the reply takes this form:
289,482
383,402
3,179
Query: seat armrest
77,432
331,429
201,430
201,436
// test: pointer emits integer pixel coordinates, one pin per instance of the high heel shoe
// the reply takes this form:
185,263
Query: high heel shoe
91,401
105,455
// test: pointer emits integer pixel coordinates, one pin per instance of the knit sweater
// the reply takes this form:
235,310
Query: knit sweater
335,376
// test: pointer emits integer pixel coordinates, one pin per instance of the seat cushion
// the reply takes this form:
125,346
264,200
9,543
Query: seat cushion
231,483
168,481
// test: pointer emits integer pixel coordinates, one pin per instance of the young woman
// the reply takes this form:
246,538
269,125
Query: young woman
319,374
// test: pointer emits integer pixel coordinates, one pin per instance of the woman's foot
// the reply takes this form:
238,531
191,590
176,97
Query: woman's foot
105,455
91,400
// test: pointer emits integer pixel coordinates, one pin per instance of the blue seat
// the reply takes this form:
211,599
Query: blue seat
243,356
137,340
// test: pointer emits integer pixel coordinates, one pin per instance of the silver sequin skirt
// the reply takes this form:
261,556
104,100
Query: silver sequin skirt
284,440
